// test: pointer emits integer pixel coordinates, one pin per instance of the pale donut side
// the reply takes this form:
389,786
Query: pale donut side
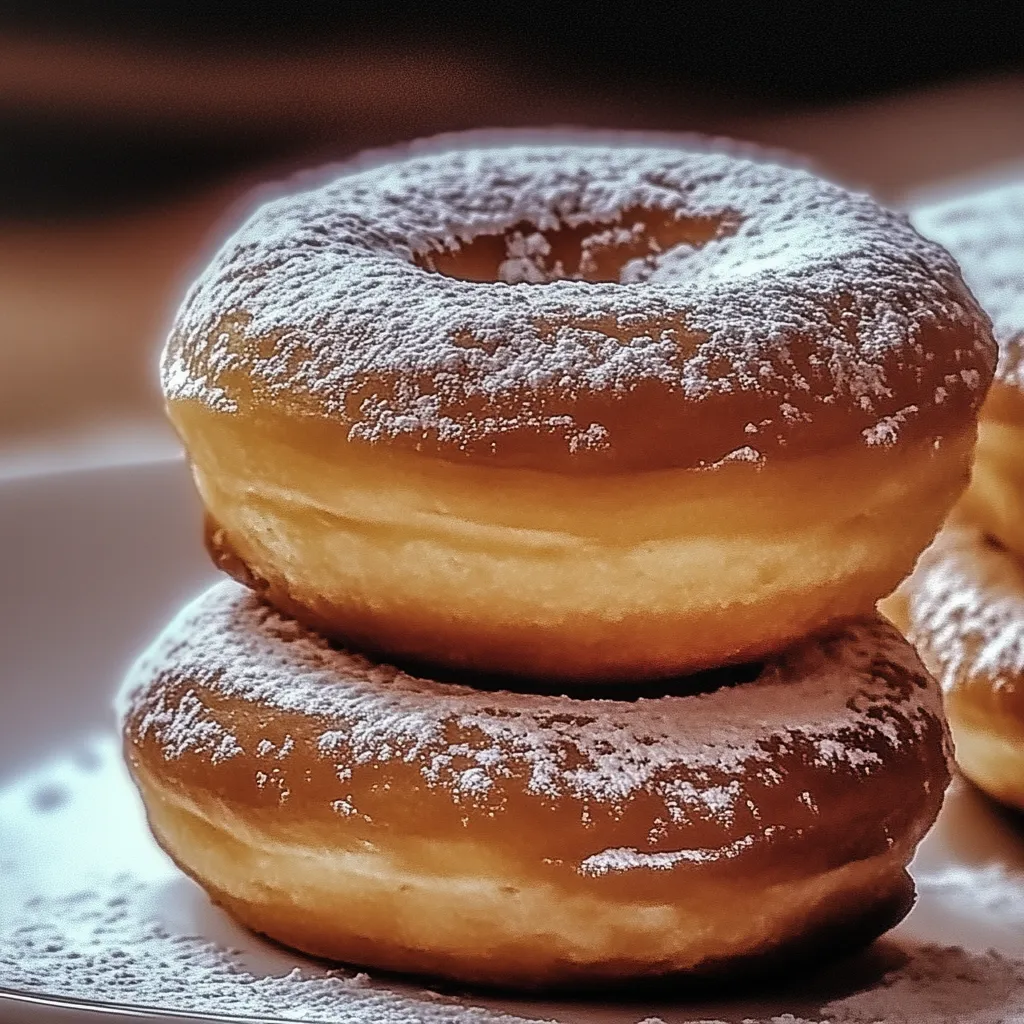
357,812
609,577
995,498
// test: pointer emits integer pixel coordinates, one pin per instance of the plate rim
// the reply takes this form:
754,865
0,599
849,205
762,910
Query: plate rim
22,470
11,997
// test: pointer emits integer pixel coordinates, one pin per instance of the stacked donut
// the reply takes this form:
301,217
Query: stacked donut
558,483
964,604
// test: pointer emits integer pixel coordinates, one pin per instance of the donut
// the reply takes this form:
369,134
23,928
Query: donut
576,412
985,232
702,825
963,608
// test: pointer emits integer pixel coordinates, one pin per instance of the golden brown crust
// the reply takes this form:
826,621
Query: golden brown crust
744,308
531,839
799,925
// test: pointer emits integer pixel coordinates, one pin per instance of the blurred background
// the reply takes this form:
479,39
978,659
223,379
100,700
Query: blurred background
134,135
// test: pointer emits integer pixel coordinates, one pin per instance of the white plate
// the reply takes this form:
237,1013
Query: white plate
96,924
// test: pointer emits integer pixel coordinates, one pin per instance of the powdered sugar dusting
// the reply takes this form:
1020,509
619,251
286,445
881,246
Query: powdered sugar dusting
939,985
839,703
98,944
102,943
985,232
628,859
966,608
887,430
814,300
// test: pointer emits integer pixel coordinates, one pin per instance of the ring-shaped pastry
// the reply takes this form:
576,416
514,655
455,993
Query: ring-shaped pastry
582,412
354,811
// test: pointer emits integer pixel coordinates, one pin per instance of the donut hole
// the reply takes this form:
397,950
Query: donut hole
706,681
611,251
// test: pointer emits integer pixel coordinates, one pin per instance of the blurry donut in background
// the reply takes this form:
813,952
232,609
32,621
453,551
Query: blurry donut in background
963,609
984,231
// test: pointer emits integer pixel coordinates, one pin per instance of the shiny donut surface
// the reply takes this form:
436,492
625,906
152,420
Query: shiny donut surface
984,231
357,812
663,405
534,306
963,609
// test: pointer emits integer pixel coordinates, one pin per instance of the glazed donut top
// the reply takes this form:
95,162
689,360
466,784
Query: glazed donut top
966,607
237,695
585,308
985,232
